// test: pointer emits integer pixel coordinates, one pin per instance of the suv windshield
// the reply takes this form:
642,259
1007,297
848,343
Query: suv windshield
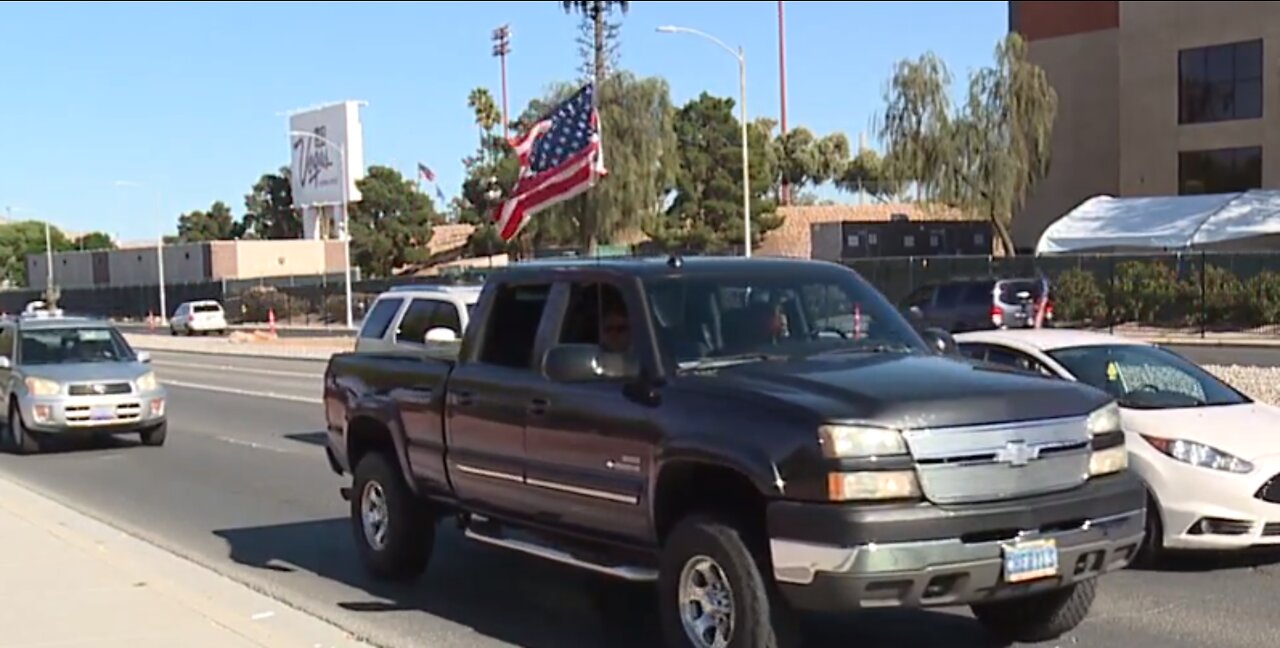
703,319
73,345
1143,377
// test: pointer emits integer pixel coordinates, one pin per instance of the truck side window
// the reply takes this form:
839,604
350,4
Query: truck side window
597,314
6,342
375,325
446,316
512,325
417,320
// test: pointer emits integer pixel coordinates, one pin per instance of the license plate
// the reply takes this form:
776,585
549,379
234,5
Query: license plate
1026,561
102,413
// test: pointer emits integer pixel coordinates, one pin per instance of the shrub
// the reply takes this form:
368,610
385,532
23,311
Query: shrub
1262,299
1143,290
1077,298
258,302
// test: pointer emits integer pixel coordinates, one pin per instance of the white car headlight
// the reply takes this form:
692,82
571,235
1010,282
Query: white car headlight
860,442
1104,420
43,387
148,382
1199,454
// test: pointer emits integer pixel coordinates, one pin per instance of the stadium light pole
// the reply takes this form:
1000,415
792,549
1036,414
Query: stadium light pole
742,90
346,217
164,312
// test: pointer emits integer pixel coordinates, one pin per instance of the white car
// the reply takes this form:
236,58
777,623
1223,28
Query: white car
201,317
1210,455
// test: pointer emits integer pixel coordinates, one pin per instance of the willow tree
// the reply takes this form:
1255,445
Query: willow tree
987,157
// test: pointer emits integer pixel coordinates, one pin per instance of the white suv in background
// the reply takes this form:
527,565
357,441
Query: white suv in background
417,318
203,317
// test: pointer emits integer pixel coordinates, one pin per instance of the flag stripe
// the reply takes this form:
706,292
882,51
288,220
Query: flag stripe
527,203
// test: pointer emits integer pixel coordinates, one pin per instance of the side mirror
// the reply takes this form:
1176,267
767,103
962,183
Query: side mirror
440,334
915,315
5,363
584,363
143,356
940,341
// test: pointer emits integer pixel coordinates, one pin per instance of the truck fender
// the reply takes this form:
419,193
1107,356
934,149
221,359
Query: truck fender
385,415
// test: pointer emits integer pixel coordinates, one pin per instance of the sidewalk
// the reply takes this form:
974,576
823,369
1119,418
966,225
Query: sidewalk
70,580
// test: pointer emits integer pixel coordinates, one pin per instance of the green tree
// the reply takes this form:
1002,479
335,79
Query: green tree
216,224
986,158
95,241
22,238
487,115
805,160
269,209
391,225
868,173
706,211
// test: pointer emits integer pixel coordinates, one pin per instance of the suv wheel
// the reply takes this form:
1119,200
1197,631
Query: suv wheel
394,531
1039,617
714,593
20,439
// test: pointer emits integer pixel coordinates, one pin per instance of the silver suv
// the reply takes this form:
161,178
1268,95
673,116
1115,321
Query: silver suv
63,375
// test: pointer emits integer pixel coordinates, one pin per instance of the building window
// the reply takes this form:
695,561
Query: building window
872,239
909,241
1220,83
1219,170
853,240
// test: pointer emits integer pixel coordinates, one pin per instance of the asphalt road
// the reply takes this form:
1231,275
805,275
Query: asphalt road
243,487
1225,355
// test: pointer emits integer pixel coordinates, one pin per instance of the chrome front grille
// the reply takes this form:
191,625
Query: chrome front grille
103,414
100,389
1002,461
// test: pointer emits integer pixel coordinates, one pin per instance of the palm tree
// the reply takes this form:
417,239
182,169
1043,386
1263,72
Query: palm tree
486,112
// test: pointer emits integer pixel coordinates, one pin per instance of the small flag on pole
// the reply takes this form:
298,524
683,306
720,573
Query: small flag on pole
560,157
426,173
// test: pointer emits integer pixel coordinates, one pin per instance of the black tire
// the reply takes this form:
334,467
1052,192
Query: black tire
1152,548
761,618
155,437
1039,617
409,535
19,439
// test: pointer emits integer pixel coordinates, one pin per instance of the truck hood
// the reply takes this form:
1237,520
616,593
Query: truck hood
912,391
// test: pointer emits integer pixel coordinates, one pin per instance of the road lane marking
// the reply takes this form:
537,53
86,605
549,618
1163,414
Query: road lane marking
253,444
242,369
244,392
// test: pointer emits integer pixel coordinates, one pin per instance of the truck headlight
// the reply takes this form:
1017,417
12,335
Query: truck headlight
1199,454
148,382
860,442
43,387
1104,420
1111,460
873,485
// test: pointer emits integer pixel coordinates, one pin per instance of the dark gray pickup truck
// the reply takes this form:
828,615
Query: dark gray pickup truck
760,437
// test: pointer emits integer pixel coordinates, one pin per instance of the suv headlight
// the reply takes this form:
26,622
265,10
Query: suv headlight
1104,420
860,442
43,387
1199,454
148,382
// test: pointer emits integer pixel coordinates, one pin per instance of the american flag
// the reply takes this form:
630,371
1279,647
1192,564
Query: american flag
426,173
560,157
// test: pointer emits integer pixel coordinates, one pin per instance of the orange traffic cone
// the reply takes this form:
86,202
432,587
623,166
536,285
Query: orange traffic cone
271,319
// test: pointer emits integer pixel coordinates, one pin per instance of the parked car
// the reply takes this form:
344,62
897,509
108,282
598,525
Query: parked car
203,317
1209,455
978,305
65,375
719,426
417,317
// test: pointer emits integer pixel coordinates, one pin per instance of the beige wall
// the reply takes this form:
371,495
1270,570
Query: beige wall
1117,129
1084,70
1153,33
278,258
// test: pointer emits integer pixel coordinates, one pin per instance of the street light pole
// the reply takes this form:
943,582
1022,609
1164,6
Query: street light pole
742,101
346,218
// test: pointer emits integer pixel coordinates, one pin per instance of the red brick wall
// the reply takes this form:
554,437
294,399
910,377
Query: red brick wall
1037,19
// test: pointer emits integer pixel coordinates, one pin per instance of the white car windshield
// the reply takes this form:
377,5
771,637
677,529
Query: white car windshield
1143,377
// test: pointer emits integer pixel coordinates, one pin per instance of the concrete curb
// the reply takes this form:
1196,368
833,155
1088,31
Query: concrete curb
206,594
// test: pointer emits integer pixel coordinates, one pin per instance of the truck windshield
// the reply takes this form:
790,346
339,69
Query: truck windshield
702,318
73,346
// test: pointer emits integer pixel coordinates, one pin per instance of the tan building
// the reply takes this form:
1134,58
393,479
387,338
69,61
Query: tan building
1155,98
189,263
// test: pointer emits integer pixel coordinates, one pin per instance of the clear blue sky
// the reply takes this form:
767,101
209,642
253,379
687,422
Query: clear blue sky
186,98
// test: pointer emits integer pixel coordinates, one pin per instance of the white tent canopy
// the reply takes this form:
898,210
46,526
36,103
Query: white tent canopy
1163,222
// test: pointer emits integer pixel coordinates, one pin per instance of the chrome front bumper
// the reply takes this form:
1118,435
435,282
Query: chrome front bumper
72,413
944,572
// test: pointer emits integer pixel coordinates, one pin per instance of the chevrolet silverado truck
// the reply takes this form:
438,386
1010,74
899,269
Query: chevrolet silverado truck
761,438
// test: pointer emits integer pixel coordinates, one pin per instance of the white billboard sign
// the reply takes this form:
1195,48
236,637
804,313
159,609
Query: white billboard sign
321,142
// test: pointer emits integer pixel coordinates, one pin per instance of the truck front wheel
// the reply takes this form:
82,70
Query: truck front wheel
714,593
1039,617
393,530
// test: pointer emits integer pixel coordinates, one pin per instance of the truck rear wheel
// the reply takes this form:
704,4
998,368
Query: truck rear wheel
1039,617
714,593
393,530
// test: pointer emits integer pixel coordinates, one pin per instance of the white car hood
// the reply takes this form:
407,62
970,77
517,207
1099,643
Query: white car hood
1249,431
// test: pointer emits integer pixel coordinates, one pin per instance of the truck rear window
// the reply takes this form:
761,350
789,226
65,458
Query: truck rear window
376,323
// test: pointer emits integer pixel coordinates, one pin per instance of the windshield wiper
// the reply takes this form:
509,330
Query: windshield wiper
721,362
870,347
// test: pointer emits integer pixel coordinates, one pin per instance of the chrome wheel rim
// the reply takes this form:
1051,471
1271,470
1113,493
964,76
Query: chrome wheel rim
373,515
706,603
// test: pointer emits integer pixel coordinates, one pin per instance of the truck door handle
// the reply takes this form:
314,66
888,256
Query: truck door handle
462,398
538,406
